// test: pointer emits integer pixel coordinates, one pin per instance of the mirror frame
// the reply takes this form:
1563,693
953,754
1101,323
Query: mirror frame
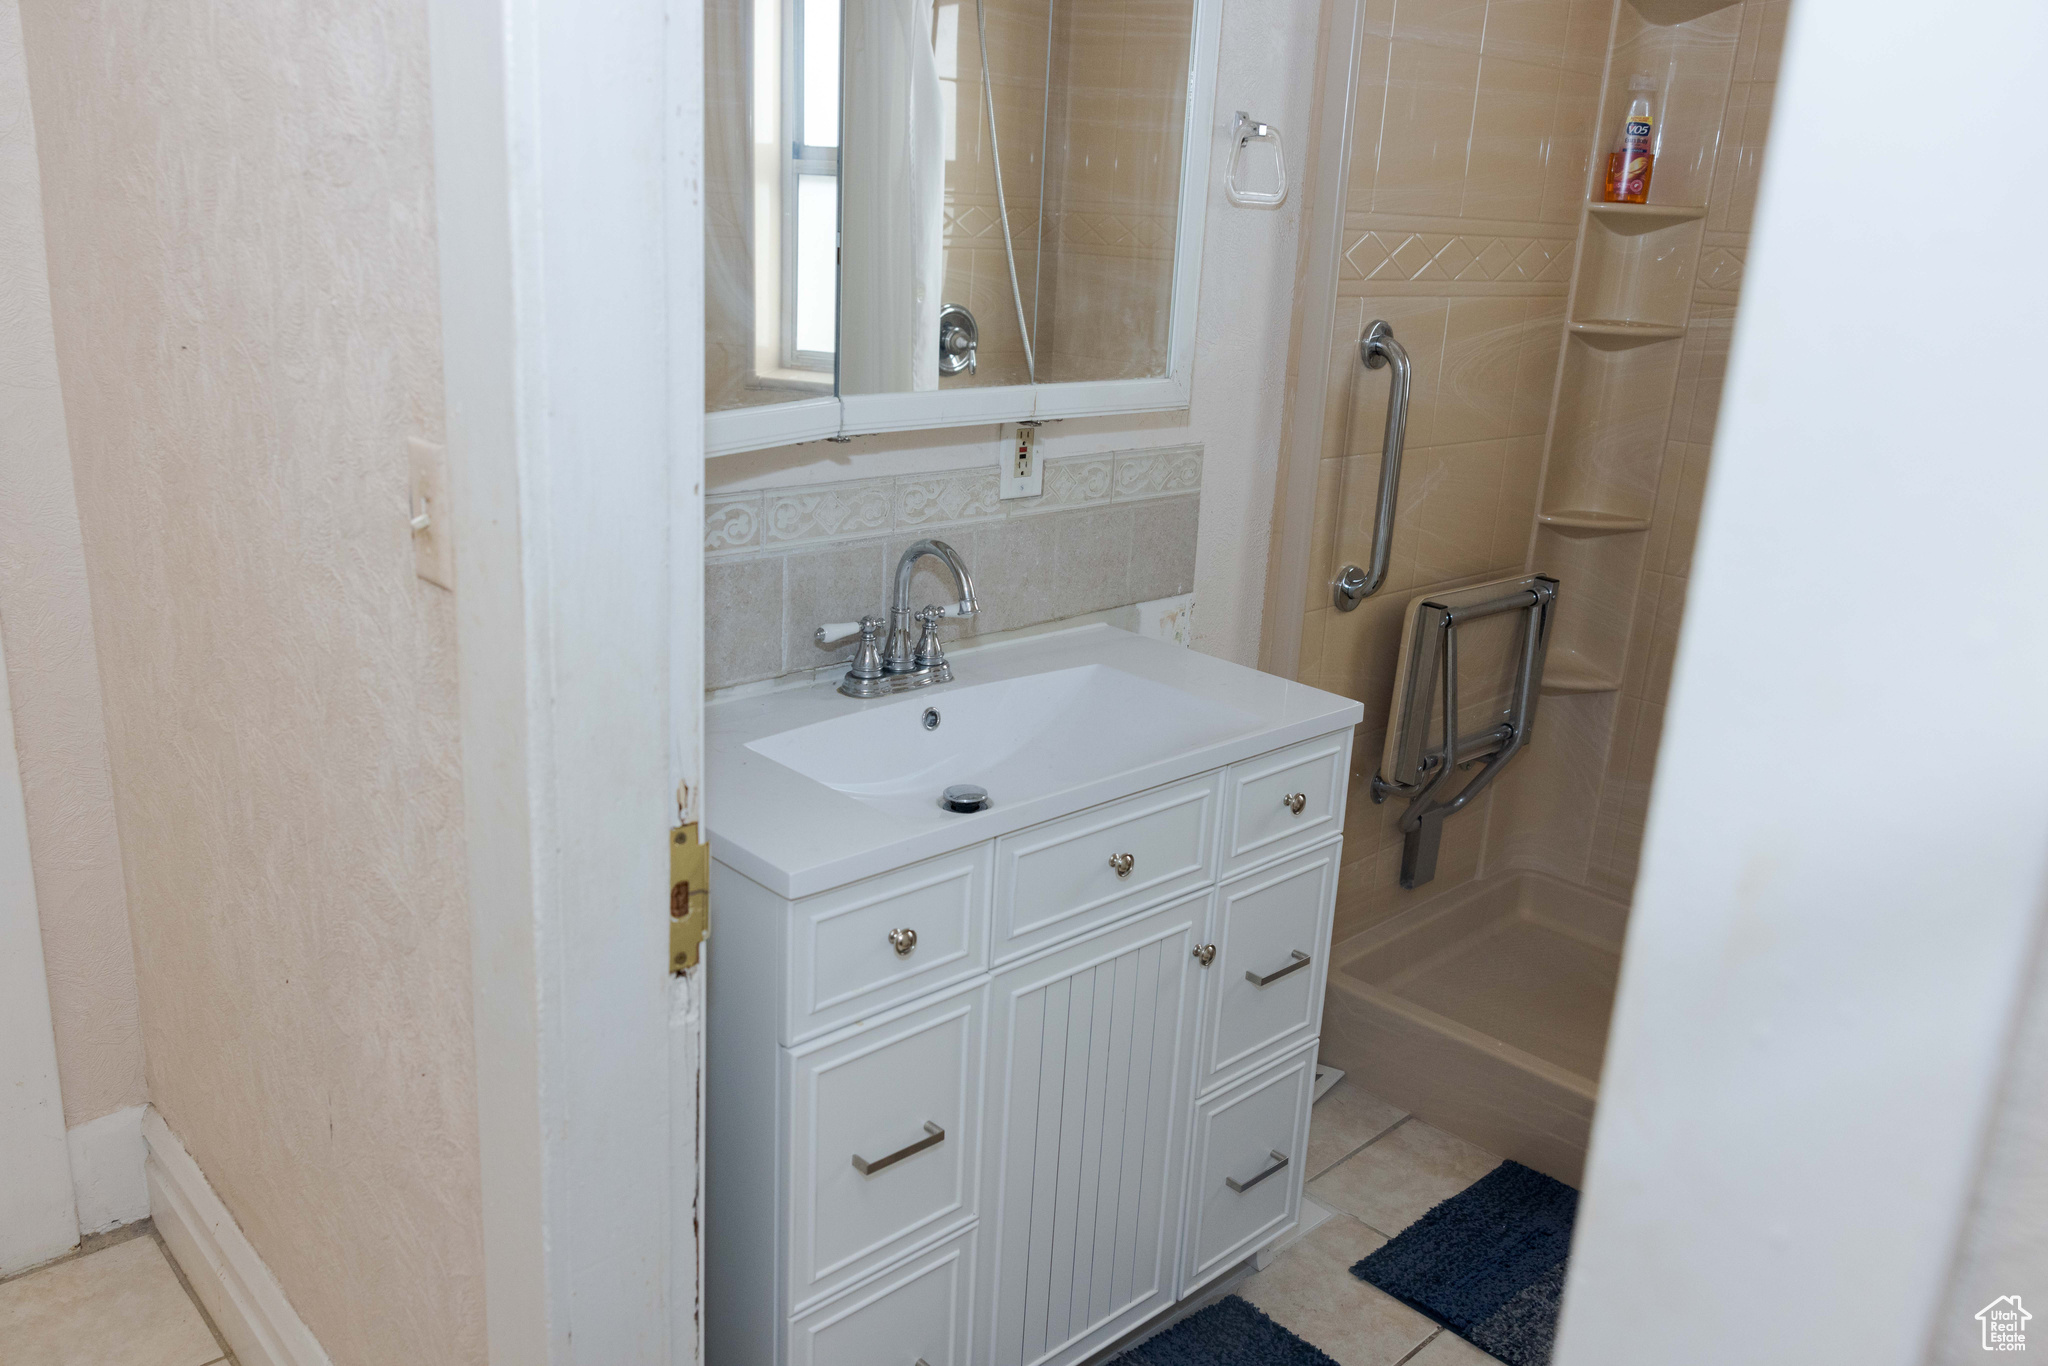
810,419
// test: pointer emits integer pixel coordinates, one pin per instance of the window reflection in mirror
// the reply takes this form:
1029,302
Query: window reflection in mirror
771,151
1018,160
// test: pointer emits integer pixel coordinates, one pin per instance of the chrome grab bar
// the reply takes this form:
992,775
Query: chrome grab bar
1279,1161
1301,960
933,1135
1419,772
1378,348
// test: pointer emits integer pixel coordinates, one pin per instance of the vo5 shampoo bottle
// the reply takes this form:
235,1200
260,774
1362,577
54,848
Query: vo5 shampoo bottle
1628,165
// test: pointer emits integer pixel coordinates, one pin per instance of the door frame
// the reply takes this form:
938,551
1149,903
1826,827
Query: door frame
567,152
38,1210
38,1213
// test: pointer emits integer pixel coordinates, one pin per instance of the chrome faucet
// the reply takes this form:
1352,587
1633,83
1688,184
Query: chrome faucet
898,666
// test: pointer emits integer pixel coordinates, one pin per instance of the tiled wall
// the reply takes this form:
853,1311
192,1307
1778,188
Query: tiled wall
1475,128
1108,531
1112,187
1472,132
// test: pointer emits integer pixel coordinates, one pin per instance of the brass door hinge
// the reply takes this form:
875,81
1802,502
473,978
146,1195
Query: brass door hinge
689,896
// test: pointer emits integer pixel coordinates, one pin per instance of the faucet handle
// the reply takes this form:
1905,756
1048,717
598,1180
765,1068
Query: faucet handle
930,653
833,632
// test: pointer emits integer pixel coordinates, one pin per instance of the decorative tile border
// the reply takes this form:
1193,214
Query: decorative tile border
1381,254
968,221
732,523
753,521
828,512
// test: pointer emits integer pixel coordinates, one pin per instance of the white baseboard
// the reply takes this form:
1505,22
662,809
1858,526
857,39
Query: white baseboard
245,1300
106,1170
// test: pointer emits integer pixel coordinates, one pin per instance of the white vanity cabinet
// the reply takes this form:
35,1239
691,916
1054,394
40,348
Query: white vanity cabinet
1004,1104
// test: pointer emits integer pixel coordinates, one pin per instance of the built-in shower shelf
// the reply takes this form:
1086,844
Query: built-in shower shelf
1586,522
1608,334
1646,215
1568,676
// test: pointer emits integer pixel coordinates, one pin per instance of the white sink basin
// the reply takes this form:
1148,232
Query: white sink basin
806,790
1021,738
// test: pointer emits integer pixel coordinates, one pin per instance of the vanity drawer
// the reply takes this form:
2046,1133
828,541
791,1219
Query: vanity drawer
1242,1135
1055,880
1260,818
1272,959
901,1099
850,956
917,1312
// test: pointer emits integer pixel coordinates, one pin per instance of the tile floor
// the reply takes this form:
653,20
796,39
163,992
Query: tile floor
116,1302
1372,1171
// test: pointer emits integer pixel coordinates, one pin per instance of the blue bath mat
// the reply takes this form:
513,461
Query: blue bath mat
1230,1332
1488,1263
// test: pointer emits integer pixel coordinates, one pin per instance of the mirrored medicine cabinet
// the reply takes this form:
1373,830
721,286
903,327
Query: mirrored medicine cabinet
927,213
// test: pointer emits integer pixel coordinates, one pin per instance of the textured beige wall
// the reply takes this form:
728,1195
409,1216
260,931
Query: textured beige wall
52,669
239,205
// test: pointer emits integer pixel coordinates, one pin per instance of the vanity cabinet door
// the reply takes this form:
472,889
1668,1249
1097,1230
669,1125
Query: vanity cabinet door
1088,1105
1272,960
918,1312
1056,880
857,950
1250,1142
885,1132
1284,800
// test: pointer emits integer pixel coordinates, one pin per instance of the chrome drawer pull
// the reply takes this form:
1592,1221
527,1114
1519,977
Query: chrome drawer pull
1205,954
1122,863
934,1136
1279,1161
1294,801
1301,960
903,941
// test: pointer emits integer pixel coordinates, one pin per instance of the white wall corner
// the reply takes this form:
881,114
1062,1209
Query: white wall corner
230,1279
106,1170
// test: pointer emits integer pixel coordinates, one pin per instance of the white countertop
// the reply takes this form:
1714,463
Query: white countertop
796,836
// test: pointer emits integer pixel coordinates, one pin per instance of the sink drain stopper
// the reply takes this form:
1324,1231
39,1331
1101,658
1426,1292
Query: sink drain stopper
964,797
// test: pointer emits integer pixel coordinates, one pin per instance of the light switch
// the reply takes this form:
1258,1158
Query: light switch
433,529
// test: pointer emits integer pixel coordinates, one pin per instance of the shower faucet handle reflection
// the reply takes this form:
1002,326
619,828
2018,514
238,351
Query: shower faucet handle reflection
1378,349
959,340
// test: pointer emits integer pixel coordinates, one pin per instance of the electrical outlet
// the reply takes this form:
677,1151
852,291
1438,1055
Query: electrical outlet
433,528
1023,474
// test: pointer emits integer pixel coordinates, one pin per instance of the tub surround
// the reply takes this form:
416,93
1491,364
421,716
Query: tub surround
1109,531
1571,439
